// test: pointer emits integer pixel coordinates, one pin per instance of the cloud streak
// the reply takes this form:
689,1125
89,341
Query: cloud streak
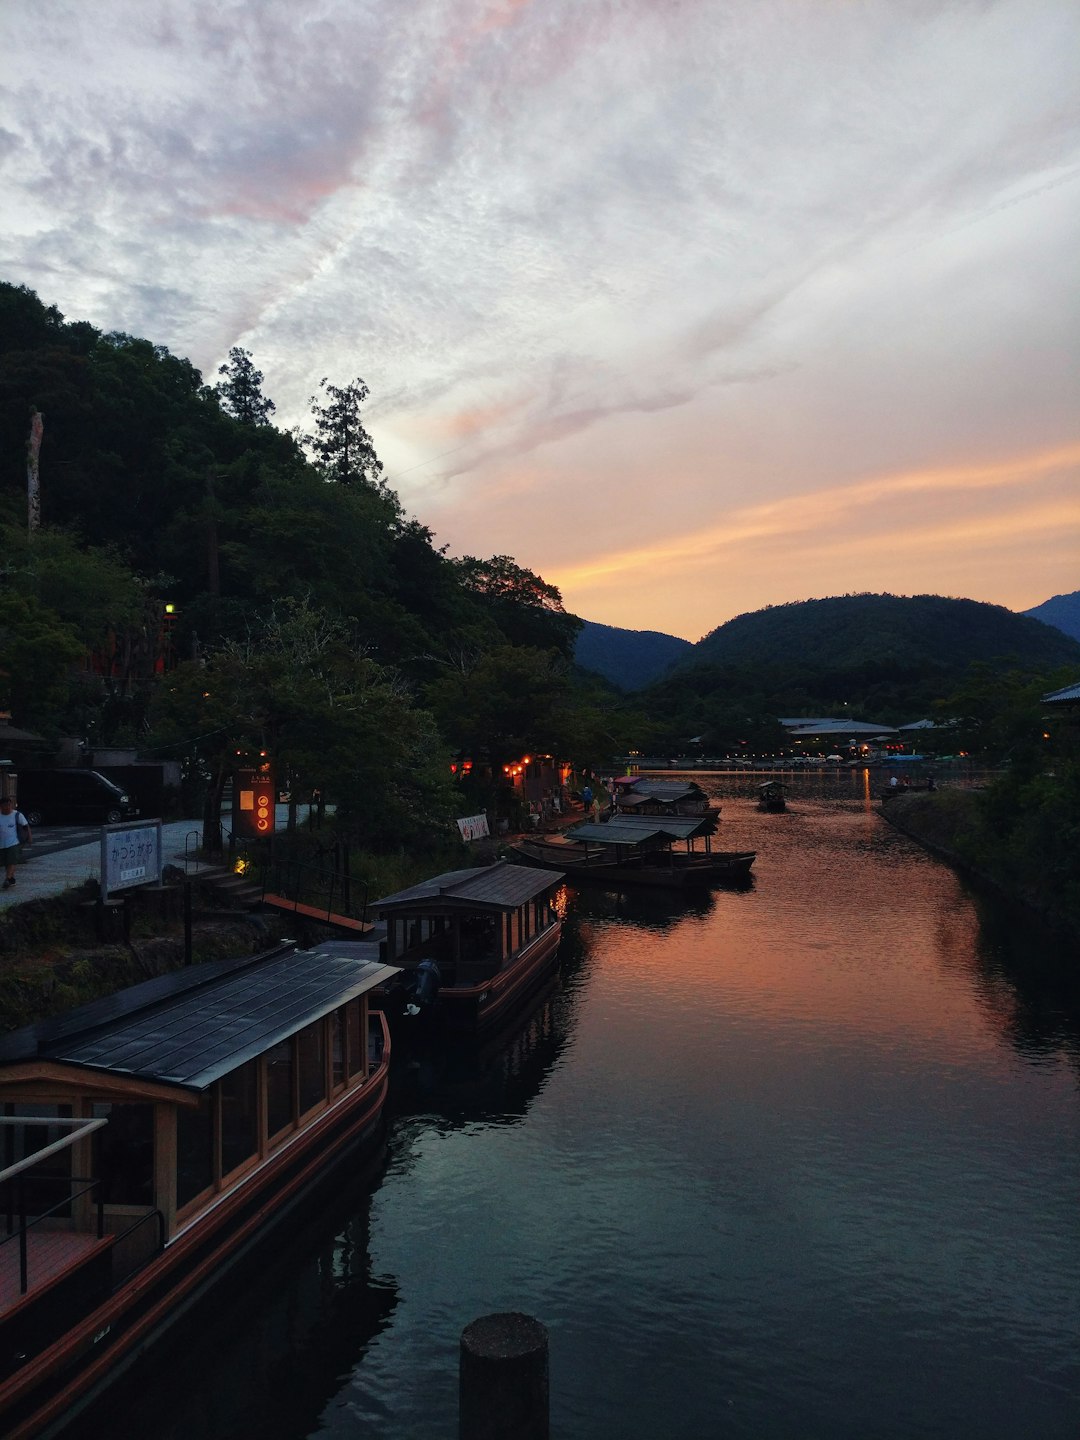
677,270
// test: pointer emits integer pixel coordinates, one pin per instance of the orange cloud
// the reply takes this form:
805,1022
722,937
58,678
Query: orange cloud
851,514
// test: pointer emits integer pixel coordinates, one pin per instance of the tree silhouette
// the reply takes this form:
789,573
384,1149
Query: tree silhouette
340,444
240,392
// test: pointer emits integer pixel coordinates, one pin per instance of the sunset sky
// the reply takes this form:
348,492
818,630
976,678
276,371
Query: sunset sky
692,306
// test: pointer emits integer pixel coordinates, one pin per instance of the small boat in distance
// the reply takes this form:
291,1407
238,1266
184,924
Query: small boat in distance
772,797
152,1139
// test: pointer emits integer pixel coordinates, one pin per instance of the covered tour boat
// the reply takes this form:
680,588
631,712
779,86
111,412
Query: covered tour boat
152,1139
772,797
641,795
639,850
473,944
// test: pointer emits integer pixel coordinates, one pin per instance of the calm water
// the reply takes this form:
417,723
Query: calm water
802,1160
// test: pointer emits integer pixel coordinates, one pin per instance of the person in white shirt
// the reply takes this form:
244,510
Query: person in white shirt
14,830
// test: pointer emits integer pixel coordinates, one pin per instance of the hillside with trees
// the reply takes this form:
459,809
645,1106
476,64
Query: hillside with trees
203,583
885,658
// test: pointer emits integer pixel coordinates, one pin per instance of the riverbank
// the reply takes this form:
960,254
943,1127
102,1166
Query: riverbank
958,826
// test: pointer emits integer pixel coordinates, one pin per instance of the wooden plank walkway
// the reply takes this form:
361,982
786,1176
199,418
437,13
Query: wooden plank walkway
312,912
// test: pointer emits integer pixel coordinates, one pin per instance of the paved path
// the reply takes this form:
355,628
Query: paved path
41,875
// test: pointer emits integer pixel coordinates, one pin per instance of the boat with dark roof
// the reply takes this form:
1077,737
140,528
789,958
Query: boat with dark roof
642,795
472,944
639,850
152,1139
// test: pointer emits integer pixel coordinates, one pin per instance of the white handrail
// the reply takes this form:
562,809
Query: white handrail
78,1127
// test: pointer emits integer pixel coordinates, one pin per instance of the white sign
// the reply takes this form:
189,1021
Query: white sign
474,827
130,855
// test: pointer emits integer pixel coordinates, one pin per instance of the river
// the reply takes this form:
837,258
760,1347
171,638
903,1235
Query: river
801,1160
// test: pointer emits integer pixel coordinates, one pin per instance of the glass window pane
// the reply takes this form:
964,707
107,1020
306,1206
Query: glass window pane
337,1047
352,1025
311,1059
279,1087
124,1154
239,1116
194,1150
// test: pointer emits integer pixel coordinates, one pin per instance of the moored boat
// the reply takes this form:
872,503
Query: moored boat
631,850
152,1140
772,797
473,944
641,795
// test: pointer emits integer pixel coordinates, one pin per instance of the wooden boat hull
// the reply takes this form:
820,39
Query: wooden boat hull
43,1396
682,872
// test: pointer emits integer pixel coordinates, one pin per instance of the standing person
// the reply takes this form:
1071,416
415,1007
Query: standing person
13,830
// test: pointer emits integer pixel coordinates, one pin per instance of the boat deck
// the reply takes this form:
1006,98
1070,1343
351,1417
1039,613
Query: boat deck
49,1254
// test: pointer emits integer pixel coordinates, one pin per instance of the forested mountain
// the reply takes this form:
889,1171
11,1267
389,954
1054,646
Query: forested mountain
885,658
847,632
203,583
628,658
1061,611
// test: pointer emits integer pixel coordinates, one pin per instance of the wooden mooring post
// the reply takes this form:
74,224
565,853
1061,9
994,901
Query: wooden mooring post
503,1380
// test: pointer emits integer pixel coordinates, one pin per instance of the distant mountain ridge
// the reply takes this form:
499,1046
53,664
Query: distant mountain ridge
1061,611
851,631
630,659
843,636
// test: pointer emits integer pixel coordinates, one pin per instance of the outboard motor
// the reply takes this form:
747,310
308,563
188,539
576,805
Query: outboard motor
426,985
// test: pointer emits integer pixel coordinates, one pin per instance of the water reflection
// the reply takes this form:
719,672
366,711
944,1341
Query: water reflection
275,1345
797,1161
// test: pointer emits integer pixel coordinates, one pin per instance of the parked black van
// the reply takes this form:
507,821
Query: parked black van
72,797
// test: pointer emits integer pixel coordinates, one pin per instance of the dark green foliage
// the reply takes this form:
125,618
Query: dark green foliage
342,447
240,391
883,658
873,633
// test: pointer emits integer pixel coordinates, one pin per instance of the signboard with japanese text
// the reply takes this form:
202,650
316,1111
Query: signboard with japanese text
474,827
130,855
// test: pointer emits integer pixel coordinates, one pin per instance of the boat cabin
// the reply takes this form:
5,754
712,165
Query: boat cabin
472,923
164,1117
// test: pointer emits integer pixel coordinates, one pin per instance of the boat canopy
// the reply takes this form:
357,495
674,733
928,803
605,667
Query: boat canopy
669,792
678,827
646,832
487,887
190,1028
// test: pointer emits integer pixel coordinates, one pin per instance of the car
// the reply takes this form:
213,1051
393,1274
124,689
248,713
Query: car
72,796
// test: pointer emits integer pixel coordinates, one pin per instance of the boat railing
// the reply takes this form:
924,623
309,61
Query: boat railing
331,891
131,1247
20,1224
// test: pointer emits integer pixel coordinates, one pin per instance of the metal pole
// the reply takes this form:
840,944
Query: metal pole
187,922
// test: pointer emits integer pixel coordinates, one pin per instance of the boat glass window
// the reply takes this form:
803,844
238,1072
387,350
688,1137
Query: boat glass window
355,1047
311,1060
124,1153
337,1049
48,1183
279,1087
239,1116
194,1150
